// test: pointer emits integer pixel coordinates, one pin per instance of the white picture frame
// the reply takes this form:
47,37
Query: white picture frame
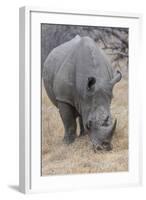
29,160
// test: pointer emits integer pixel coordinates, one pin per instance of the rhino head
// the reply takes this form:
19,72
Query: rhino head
96,113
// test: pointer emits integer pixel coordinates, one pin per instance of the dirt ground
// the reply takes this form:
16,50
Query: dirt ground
78,157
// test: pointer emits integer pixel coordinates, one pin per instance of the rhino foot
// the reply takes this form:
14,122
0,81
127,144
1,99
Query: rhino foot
69,138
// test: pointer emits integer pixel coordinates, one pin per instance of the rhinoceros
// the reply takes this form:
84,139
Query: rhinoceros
79,80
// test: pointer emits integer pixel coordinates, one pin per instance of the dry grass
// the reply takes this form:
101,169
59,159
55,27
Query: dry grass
59,158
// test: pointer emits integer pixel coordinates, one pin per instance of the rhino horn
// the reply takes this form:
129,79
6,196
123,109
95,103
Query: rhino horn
102,133
108,131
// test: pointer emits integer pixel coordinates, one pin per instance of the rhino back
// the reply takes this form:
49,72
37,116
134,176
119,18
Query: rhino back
91,62
67,68
84,60
53,63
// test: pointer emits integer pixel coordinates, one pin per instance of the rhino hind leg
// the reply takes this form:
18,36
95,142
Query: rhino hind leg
82,130
68,116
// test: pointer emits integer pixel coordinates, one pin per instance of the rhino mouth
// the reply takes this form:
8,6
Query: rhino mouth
104,146
101,136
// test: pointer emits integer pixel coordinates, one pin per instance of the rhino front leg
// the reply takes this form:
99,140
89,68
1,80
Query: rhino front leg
82,130
68,116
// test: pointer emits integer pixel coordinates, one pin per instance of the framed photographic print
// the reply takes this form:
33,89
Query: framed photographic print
79,106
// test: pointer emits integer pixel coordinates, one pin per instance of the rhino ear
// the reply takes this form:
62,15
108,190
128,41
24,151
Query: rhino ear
117,77
91,83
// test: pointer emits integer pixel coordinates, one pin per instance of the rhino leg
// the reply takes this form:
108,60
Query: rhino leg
68,116
82,130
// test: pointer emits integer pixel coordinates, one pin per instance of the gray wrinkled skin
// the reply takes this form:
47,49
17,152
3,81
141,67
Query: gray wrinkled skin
79,80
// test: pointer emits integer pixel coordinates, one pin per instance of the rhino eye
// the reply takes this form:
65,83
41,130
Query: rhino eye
91,83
